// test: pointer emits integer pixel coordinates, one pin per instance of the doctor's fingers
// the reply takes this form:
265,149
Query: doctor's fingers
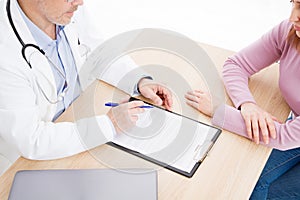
166,96
136,110
121,119
129,105
125,99
132,109
133,104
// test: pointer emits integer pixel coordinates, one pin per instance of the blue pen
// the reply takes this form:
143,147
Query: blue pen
111,104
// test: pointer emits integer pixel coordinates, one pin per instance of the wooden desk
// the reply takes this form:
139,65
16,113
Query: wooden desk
230,171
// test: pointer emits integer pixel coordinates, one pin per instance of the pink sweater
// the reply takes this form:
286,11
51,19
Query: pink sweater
269,48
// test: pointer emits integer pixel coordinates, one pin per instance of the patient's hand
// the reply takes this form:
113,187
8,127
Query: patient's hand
258,121
200,100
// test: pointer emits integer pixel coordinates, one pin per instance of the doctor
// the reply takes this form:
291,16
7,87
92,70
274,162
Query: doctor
41,55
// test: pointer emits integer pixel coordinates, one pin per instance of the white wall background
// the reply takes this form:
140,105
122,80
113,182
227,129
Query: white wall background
231,24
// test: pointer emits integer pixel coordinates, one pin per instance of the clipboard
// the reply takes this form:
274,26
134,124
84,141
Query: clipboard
192,151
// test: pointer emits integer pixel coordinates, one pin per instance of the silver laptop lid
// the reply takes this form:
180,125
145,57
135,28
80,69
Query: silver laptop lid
84,184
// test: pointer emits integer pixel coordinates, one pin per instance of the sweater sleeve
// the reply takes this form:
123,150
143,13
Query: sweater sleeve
260,54
288,136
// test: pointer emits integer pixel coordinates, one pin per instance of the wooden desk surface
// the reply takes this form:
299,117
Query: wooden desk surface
230,171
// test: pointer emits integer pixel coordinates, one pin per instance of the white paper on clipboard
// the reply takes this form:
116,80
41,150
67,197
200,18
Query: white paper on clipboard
169,138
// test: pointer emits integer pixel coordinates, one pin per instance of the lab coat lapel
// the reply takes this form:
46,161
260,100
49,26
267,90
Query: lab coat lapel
41,66
73,39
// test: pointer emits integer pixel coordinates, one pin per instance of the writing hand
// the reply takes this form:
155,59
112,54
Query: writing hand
124,116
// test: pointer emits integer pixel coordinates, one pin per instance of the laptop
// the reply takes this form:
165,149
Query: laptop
84,184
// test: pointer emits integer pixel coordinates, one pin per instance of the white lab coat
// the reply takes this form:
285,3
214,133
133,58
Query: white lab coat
25,115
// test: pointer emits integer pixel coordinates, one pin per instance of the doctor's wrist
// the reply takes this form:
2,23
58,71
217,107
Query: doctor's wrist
142,81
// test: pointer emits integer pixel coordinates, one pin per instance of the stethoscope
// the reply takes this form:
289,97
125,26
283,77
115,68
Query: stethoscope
61,95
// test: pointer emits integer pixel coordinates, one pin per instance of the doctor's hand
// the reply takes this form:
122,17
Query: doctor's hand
201,101
156,92
124,116
258,122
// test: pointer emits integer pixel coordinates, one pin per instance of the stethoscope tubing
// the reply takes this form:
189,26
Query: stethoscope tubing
23,51
24,46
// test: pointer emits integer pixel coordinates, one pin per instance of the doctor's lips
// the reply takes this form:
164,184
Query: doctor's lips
71,12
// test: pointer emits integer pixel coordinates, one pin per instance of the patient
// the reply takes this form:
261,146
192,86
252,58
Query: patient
247,119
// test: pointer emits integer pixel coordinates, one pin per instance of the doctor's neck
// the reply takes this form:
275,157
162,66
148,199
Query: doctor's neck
30,9
46,14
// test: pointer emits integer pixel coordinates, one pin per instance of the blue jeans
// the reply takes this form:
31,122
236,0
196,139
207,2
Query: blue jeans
280,178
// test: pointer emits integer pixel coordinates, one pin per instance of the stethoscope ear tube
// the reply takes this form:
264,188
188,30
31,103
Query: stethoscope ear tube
12,23
24,46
